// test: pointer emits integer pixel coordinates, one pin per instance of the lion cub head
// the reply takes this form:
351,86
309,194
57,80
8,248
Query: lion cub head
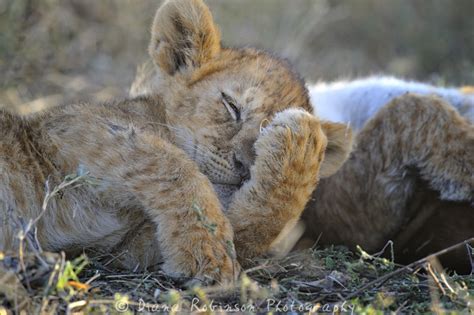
218,98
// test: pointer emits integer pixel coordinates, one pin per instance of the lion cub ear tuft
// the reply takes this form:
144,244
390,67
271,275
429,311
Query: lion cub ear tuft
338,148
183,36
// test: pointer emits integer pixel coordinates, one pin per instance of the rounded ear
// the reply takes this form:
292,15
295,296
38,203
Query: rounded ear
338,148
183,35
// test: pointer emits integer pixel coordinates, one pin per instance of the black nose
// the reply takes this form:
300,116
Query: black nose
243,171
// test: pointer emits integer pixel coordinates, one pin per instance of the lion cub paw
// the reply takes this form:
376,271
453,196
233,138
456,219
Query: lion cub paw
291,146
203,262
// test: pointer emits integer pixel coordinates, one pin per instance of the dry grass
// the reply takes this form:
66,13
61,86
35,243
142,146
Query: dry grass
314,280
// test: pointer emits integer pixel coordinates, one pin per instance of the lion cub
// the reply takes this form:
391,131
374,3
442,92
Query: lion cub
233,118
410,176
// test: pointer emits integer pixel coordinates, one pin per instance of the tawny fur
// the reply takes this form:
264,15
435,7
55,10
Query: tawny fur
410,179
174,172
410,176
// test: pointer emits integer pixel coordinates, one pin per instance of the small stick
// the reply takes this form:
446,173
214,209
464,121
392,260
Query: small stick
381,280
26,228
435,278
94,277
446,283
471,256
256,268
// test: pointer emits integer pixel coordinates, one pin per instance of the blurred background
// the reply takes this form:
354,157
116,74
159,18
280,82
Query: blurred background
57,51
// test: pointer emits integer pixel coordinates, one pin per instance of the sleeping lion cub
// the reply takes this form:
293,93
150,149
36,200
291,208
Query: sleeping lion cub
409,177
233,118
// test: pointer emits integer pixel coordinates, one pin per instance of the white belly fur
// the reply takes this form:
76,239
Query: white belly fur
354,102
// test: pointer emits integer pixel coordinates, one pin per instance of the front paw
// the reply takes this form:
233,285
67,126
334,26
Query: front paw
203,261
291,147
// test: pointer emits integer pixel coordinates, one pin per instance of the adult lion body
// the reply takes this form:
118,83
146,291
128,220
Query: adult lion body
158,161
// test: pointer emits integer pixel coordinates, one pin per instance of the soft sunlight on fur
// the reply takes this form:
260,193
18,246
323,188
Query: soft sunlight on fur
410,176
412,158
165,164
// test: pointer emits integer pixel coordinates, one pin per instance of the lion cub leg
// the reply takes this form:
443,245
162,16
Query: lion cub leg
289,153
368,201
194,236
428,134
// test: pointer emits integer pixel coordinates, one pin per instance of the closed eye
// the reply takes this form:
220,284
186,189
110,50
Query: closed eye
231,106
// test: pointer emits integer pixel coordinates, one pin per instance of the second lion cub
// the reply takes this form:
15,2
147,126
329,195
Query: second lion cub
160,162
